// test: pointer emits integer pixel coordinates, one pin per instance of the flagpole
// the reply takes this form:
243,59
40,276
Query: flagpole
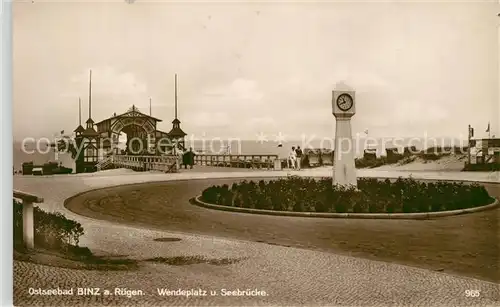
175,96
366,138
79,111
469,144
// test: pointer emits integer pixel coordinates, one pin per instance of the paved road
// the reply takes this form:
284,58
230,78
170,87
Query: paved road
463,245
290,276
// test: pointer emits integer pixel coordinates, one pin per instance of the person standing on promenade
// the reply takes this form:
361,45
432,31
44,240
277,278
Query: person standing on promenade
190,158
292,157
177,151
184,158
298,153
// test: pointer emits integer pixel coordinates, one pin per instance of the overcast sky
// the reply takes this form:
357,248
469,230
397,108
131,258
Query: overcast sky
244,69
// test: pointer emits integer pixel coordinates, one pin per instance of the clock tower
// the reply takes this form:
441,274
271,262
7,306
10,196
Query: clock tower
344,108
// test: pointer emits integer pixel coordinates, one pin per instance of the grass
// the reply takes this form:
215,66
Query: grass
57,259
465,245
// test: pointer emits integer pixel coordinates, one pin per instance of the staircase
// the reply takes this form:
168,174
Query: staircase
104,163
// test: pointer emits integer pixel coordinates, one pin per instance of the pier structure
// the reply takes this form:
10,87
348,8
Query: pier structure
96,146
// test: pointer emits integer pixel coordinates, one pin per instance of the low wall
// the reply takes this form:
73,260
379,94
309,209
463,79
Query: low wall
405,216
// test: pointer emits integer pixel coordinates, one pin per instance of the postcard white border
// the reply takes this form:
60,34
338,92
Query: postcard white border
6,256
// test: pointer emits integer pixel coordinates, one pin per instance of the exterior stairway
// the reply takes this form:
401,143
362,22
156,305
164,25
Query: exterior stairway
104,163
166,164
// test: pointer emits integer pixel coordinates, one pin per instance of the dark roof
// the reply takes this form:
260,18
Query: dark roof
177,132
79,129
161,132
90,120
133,112
176,121
90,132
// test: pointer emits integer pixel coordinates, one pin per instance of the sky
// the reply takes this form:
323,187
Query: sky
244,69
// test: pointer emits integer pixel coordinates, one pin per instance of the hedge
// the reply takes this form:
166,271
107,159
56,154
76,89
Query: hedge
301,194
52,230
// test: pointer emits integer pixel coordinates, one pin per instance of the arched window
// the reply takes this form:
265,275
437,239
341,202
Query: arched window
89,152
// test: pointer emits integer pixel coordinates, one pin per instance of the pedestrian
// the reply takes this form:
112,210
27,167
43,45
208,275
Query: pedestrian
190,157
185,159
292,157
298,153
180,156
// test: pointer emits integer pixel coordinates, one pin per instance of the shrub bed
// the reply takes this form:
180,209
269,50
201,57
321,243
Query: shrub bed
53,231
370,162
301,194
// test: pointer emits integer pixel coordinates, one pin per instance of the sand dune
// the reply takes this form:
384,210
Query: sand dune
448,163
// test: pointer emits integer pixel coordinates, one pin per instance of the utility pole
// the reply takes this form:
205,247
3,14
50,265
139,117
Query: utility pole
470,135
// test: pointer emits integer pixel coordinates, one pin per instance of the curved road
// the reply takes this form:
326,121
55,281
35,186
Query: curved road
451,244
289,275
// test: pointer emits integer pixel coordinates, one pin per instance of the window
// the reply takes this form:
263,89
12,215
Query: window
89,152
90,159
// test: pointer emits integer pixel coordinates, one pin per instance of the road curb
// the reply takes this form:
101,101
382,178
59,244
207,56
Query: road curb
401,216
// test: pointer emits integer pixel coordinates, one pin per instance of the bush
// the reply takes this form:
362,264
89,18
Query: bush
52,230
374,196
370,162
407,160
431,156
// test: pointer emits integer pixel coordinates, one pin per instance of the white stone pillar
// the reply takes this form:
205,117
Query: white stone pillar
344,169
28,225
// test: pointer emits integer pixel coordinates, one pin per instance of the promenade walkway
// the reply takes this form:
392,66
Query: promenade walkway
289,276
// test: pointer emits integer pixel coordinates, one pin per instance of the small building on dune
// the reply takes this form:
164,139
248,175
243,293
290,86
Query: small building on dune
370,154
485,151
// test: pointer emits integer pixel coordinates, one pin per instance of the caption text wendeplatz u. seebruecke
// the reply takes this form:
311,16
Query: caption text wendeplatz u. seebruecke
126,292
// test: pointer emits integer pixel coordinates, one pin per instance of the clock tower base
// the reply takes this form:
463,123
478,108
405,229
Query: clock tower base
344,169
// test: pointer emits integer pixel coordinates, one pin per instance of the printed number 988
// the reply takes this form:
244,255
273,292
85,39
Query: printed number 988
472,293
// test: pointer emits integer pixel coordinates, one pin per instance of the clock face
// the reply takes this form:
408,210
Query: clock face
344,102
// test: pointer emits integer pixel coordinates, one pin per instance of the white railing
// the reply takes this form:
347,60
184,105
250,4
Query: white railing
166,164
240,161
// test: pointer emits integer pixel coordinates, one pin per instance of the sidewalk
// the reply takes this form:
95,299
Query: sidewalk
219,172
290,276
